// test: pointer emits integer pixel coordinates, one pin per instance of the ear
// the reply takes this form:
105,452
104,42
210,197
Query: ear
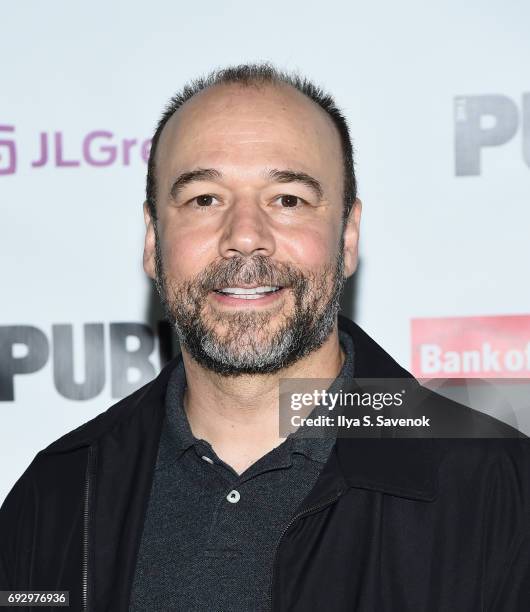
149,244
351,239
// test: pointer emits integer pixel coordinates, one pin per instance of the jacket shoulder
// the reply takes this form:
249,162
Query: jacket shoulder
493,472
487,481
54,474
16,514
508,455
140,400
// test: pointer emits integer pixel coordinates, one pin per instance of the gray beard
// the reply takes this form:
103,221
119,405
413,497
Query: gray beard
238,350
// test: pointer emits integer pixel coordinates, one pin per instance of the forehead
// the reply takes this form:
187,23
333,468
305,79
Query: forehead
245,128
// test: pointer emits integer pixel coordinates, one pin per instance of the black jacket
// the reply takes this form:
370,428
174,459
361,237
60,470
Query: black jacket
391,524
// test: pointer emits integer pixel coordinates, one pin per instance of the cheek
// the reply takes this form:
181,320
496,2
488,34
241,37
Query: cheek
185,254
311,248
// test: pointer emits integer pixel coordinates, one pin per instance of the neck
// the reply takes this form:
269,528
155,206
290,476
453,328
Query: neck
239,415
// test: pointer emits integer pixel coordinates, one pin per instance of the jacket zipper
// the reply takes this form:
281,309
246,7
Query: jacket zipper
300,514
86,519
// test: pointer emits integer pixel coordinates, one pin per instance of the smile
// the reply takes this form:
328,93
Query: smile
248,293
240,296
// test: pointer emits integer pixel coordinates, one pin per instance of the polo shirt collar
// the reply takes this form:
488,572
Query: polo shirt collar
302,441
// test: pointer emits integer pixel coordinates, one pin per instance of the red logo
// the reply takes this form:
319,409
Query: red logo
471,347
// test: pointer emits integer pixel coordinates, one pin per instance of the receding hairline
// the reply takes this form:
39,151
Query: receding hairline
257,75
265,84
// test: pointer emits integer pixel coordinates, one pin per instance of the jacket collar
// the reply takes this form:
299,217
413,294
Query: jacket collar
402,467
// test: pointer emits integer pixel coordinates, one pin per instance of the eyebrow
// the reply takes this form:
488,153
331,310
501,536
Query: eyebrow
291,176
278,176
201,174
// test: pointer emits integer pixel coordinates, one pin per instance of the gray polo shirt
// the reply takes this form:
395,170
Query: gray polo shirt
210,534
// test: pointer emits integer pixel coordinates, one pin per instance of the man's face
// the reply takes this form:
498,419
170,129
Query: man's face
249,253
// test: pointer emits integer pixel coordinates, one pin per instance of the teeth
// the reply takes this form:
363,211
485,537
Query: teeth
246,291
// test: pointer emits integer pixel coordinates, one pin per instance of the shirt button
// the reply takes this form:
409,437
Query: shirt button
207,459
233,497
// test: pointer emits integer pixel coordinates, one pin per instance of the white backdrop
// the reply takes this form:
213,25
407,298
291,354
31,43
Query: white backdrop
435,96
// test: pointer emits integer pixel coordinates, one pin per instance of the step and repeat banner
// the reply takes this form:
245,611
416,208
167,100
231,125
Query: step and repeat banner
438,101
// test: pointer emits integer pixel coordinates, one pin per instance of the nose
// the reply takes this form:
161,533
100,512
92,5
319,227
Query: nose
247,231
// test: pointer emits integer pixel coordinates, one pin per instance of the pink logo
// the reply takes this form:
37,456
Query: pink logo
98,148
471,347
8,152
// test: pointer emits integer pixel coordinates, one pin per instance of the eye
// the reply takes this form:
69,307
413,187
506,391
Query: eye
290,201
204,200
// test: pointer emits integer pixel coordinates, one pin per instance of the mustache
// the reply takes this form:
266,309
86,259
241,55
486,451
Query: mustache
258,270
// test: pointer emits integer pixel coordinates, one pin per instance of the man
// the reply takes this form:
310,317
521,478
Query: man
183,496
